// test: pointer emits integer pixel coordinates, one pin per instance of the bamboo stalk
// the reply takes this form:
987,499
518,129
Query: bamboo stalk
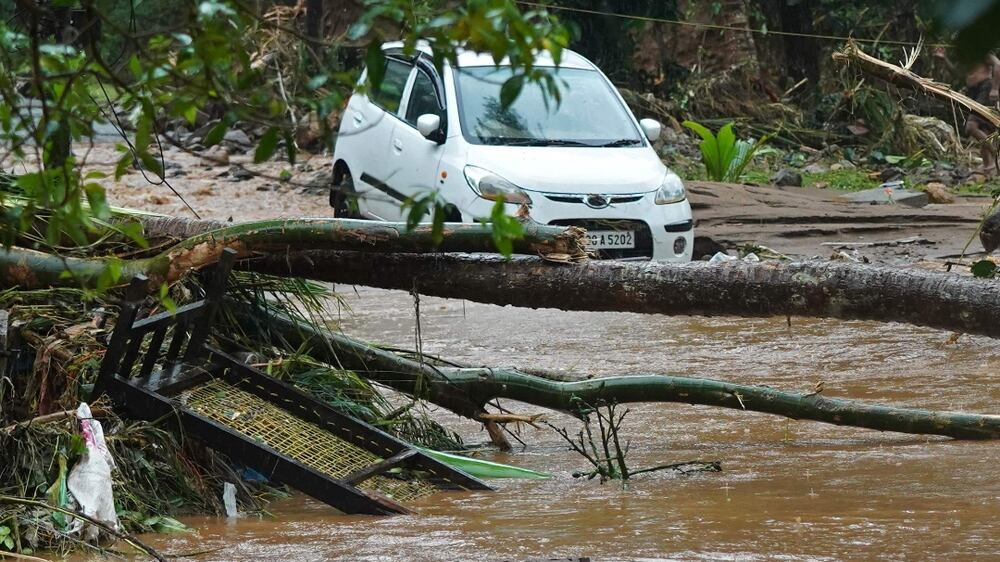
465,390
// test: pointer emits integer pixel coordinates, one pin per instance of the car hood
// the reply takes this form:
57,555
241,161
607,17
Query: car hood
571,169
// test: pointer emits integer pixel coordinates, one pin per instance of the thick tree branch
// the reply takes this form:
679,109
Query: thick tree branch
847,291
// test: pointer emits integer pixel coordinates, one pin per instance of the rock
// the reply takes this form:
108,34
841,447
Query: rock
815,168
845,164
318,182
835,167
821,184
974,178
267,187
239,173
237,140
787,177
938,193
892,173
705,247
884,196
989,234
217,155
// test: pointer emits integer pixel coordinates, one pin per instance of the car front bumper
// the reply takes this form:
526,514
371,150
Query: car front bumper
663,232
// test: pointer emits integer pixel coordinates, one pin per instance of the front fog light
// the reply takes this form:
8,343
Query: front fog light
671,190
680,244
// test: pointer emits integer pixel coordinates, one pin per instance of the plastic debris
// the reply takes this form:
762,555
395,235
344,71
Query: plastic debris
720,257
229,499
90,479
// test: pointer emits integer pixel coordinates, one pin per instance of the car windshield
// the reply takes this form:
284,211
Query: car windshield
590,114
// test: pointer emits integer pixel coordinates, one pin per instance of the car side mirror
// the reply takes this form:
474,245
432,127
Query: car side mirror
651,127
429,126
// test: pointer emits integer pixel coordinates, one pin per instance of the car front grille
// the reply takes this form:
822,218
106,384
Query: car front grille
643,236
582,199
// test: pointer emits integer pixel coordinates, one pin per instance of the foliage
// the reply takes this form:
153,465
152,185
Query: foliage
846,180
53,93
985,269
723,155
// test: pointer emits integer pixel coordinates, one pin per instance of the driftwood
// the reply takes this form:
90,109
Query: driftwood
906,78
847,291
466,390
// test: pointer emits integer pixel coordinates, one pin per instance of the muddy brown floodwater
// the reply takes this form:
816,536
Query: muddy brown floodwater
789,490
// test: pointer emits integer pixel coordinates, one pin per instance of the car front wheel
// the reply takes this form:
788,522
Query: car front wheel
344,199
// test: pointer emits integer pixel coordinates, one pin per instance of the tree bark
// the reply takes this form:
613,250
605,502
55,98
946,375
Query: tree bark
840,290
29,269
466,390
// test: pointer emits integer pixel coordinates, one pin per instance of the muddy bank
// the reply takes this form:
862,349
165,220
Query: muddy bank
795,221
807,222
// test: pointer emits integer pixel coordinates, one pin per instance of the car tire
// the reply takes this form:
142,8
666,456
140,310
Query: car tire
343,198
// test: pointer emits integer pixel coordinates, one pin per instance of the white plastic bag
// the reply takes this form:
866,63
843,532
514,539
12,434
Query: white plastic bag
90,479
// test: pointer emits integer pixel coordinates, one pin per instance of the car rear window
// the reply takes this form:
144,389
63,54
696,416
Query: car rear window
390,91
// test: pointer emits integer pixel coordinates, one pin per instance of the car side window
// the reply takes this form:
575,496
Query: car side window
389,94
423,99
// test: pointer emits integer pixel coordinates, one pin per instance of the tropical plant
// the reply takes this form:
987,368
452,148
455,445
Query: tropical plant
724,156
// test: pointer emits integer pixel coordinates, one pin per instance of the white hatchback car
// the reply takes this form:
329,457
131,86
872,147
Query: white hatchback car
585,161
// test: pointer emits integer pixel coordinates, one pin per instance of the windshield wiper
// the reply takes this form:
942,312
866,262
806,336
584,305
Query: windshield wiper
621,142
544,142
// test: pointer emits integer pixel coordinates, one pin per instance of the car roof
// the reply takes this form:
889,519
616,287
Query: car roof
468,58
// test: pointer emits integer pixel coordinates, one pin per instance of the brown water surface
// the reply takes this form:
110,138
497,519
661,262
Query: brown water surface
789,490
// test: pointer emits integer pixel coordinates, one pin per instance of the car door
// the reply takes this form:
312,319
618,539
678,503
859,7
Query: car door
374,121
416,157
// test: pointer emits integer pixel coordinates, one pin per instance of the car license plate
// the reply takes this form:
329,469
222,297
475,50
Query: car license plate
611,239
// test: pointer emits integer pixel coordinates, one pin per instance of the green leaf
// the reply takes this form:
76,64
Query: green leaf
215,134
123,165
191,114
268,143
984,269
511,89
143,131
376,63
98,202
165,300
151,163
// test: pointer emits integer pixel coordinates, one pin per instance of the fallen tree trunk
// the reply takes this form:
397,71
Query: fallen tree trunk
847,291
906,78
466,390
30,269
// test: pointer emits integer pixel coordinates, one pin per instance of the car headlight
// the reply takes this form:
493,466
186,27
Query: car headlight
490,186
671,190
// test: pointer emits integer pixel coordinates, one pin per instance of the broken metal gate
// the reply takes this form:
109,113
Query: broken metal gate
257,420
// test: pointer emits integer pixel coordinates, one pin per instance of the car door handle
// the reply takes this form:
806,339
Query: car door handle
397,144
358,119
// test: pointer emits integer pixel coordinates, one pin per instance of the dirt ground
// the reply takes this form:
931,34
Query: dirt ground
794,221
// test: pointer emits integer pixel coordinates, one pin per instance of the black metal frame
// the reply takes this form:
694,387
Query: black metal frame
148,394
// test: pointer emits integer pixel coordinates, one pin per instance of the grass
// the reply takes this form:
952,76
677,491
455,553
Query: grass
844,180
